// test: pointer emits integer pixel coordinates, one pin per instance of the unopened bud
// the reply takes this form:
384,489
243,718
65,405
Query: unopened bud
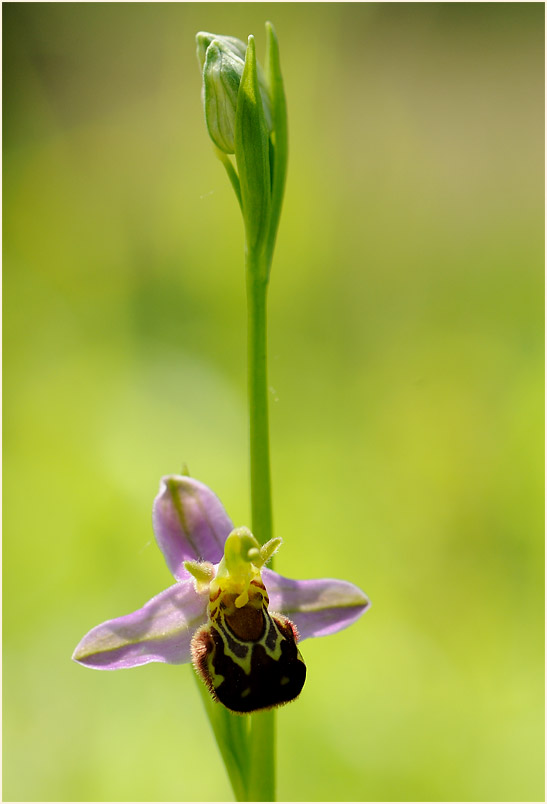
221,78
222,59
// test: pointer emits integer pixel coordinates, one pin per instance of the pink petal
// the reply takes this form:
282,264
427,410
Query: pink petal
190,523
159,632
316,607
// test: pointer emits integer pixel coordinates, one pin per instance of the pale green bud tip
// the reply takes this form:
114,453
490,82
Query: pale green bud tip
228,43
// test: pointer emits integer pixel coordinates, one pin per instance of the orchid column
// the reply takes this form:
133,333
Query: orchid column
245,113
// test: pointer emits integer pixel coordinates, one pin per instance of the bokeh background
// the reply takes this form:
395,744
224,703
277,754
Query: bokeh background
406,365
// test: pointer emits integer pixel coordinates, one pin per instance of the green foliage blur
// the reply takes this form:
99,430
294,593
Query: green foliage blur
406,357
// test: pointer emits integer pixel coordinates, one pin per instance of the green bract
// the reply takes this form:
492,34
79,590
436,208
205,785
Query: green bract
246,116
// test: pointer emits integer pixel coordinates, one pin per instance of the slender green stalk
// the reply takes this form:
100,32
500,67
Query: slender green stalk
261,503
262,754
262,731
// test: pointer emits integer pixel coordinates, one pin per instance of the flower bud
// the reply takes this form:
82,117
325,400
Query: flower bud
222,73
222,59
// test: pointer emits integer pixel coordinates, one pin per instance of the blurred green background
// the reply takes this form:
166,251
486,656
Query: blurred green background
406,357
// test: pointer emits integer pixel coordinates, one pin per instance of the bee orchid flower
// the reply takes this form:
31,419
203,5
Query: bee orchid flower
236,620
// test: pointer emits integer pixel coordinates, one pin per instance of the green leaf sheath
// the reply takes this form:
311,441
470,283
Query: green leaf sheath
279,135
253,158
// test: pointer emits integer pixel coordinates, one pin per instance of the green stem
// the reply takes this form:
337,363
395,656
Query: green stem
262,732
262,756
261,504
